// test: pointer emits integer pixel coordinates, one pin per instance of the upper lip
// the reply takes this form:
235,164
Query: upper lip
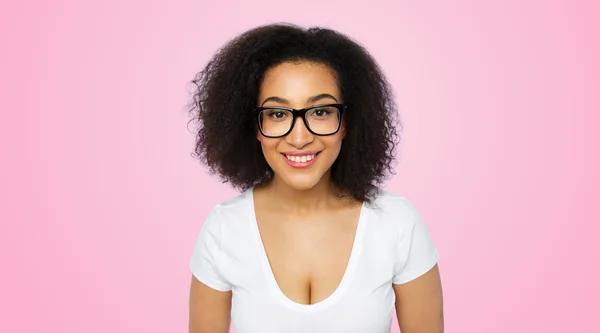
300,153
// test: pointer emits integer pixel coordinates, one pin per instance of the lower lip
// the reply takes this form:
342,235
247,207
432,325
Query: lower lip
299,164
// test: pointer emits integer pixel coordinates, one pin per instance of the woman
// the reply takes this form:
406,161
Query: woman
302,122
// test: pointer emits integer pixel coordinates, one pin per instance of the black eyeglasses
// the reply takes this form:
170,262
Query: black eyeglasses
321,120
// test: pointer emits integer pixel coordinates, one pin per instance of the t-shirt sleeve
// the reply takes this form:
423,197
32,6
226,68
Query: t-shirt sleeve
416,253
206,261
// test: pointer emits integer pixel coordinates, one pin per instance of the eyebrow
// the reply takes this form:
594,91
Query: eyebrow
312,99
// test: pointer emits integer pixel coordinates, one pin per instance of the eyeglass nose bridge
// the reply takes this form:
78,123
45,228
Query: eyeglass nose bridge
299,113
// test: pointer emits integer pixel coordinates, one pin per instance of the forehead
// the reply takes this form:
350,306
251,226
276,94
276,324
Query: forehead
297,82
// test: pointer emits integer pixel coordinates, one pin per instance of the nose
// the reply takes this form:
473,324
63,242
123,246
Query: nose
300,136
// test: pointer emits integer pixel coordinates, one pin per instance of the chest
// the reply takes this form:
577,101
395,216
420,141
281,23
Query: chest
294,280
308,256
363,300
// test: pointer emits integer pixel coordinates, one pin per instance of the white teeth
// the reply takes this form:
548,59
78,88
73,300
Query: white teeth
299,159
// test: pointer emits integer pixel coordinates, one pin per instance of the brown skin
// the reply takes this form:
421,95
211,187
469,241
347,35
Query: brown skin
209,309
299,86
321,247
419,304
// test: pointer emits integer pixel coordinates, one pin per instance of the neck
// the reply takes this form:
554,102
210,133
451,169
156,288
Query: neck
322,195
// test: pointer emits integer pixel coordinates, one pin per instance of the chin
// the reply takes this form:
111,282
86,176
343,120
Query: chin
301,183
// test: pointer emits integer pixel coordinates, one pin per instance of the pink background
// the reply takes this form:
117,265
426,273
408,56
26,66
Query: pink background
101,201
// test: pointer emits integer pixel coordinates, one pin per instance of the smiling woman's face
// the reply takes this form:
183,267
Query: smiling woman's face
300,159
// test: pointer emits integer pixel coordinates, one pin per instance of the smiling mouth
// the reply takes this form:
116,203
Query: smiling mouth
296,160
300,158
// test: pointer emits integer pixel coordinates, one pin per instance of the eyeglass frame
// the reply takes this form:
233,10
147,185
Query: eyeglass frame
299,113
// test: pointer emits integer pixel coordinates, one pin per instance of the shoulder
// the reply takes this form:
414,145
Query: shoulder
233,220
397,216
232,209
394,208
414,250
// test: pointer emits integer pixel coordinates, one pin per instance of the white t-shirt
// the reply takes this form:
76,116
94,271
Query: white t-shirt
391,246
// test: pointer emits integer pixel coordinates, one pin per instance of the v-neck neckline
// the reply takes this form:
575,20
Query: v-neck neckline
346,278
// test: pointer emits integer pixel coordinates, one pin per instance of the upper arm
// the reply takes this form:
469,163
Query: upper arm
210,290
416,281
209,309
419,304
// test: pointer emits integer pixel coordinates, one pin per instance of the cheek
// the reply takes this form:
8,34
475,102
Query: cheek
335,142
269,146
333,146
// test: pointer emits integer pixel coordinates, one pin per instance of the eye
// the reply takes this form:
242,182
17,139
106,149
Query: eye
276,114
321,112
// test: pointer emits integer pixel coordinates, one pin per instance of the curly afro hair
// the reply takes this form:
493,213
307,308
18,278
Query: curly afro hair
226,91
